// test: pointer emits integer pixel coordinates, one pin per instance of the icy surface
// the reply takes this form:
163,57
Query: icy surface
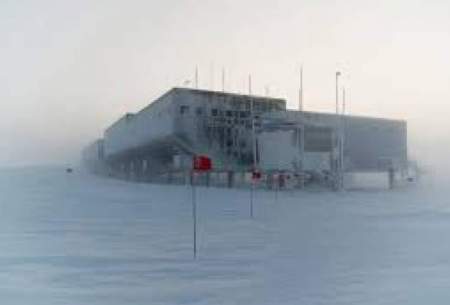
79,239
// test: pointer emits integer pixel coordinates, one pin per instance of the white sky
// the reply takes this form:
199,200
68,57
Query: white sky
69,68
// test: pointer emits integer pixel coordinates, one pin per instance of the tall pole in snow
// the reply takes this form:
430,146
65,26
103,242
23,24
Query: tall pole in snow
223,79
196,77
343,101
337,91
253,142
194,215
300,91
252,106
339,174
343,128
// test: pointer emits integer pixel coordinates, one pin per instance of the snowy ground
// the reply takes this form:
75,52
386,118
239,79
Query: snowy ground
79,239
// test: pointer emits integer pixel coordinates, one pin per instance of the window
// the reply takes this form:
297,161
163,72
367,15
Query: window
199,111
245,114
184,109
214,112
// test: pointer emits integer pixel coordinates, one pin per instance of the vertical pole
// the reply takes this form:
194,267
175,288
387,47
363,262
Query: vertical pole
253,143
251,198
302,157
343,127
194,215
223,79
343,101
253,121
300,92
337,91
339,137
277,184
196,77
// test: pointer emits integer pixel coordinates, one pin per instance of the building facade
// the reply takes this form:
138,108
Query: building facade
239,132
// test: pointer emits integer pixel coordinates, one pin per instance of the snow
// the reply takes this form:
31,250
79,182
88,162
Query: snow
80,239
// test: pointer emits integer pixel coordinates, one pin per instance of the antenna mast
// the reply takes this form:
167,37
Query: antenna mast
343,101
252,106
223,79
300,92
196,77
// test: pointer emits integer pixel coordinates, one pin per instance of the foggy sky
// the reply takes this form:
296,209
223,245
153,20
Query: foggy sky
70,68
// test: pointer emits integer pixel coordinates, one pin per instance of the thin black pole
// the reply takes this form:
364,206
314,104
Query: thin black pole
194,215
251,198
223,79
196,77
277,183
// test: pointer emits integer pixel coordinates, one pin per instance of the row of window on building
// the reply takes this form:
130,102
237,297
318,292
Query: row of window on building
262,107
185,109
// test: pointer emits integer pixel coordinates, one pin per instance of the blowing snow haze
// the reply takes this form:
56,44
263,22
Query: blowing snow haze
69,68
293,211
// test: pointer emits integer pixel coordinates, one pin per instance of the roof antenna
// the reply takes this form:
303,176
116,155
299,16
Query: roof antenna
343,101
300,91
196,77
223,79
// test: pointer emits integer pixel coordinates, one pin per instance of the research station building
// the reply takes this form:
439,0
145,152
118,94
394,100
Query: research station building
241,134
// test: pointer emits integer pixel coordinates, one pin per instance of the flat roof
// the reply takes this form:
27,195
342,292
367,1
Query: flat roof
199,91
310,114
225,93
